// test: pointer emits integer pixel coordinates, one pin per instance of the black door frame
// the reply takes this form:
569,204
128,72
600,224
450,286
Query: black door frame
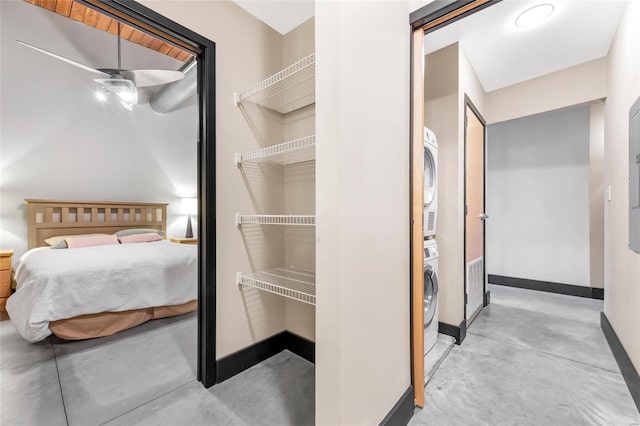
156,25
468,103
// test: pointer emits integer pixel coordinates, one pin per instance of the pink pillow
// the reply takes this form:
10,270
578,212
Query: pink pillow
97,240
140,238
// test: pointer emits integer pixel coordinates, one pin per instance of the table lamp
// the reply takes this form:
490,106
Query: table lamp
189,207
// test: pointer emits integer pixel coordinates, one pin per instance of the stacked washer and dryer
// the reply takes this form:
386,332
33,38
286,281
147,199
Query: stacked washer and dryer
430,246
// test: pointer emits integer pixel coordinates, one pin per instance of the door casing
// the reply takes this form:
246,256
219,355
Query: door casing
468,105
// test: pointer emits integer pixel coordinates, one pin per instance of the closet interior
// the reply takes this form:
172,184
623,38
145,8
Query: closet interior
286,92
286,171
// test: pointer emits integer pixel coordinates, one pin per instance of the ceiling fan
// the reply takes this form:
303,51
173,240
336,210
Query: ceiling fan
118,82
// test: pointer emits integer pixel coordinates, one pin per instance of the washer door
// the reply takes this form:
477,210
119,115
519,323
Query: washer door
430,294
429,177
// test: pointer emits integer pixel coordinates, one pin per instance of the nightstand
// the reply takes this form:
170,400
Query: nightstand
6,277
181,240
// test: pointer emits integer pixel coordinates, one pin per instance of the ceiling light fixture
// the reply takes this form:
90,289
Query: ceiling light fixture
534,15
119,88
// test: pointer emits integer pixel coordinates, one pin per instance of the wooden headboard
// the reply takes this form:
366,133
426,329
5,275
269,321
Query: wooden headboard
50,218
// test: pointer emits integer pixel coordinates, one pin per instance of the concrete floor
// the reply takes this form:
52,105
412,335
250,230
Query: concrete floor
530,358
145,375
434,358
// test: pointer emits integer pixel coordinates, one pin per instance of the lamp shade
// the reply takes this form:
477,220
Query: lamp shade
189,206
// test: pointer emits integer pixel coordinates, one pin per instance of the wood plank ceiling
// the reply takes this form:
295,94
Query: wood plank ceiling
95,19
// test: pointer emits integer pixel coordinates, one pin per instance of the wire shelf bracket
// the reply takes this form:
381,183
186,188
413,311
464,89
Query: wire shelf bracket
291,152
295,284
275,219
288,90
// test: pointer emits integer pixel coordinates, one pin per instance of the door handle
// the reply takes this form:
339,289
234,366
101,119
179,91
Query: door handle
483,216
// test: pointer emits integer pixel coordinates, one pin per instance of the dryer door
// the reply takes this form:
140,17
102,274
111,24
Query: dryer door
429,177
430,294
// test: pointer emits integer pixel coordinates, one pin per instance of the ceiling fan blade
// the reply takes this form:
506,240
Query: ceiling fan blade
144,78
67,60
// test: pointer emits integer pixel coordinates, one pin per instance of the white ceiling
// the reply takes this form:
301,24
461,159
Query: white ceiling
281,15
503,54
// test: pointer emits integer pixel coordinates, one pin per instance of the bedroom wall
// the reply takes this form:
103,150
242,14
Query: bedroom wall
247,51
58,142
622,266
538,197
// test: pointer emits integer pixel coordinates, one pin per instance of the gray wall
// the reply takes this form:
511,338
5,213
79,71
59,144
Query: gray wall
538,197
58,142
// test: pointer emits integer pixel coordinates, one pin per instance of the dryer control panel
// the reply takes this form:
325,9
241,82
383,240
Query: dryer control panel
430,250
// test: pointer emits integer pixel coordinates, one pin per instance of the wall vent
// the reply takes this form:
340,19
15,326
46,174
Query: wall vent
475,288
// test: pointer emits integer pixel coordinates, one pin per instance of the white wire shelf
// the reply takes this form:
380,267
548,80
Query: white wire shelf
275,219
291,152
288,90
291,283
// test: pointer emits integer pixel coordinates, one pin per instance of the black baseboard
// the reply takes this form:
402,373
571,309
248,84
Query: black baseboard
300,346
627,369
457,332
246,358
549,287
597,293
402,411
487,299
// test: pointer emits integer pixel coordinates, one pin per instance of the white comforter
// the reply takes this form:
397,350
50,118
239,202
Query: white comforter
59,284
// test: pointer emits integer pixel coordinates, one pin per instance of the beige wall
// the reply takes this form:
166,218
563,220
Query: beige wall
448,77
471,87
299,188
622,266
362,205
579,84
441,116
246,52
596,195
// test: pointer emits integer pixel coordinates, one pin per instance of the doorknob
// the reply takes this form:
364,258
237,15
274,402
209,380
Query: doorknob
483,216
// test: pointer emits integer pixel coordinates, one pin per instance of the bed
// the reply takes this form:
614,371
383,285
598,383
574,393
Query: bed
87,292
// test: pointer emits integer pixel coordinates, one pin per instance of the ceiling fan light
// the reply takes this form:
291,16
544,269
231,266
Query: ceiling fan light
128,99
122,89
534,16
100,95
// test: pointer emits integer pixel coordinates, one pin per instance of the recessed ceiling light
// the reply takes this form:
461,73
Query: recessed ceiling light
534,15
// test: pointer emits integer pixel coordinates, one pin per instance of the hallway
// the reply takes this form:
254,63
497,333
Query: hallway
530,358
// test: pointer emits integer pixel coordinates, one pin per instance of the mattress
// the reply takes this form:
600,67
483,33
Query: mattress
53,285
